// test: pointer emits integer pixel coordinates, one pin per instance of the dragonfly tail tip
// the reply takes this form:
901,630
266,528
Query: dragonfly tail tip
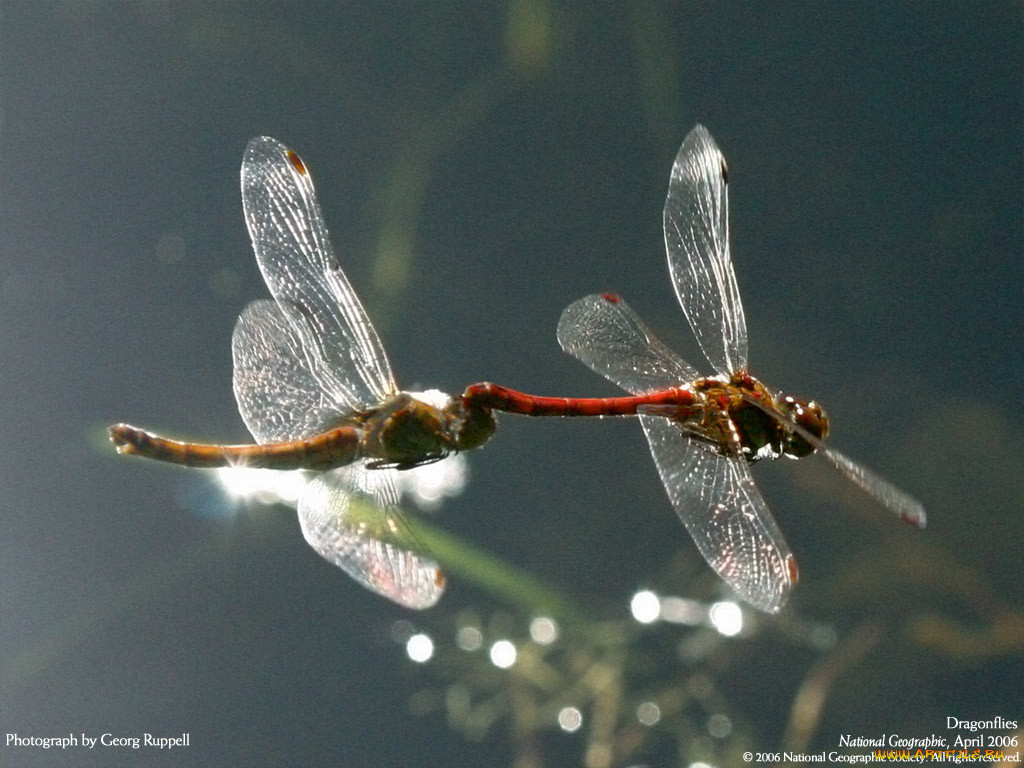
123,436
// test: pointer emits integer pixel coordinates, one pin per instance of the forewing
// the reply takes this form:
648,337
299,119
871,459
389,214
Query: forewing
725,514
278,396
344,354
348,516
603,333
696,220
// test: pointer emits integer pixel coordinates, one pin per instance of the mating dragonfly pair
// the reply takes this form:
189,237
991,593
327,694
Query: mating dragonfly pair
315,389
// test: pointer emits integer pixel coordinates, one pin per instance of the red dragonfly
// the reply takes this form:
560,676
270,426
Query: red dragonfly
704,432
315,389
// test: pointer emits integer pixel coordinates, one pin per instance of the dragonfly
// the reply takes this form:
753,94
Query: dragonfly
315,389
704,432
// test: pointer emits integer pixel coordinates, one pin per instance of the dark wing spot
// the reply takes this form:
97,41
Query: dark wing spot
297,162
792,570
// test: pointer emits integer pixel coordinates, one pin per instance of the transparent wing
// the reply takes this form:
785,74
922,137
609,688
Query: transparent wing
349,516
603,333
905,506
696,220
342,349
725,514
278,396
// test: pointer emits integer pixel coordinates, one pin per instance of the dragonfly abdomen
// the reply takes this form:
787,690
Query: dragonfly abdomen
334,448
509,400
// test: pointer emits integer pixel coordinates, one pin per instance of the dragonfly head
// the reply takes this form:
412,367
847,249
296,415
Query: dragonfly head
809,416
472,424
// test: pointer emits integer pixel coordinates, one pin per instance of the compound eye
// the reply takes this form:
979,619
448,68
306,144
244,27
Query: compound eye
808,415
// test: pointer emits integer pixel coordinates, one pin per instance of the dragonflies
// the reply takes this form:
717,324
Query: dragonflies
315,389
704,432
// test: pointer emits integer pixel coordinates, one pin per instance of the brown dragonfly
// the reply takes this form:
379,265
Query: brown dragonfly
315,389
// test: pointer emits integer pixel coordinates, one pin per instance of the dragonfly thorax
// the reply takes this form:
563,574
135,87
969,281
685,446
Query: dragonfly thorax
404,432
741,415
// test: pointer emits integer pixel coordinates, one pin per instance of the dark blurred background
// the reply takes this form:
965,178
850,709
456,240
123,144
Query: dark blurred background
481,165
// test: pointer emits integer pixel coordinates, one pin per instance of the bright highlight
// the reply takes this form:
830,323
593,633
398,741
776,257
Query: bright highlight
543,630
645,607
420,648
570,719
267,486
503,654
727,618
